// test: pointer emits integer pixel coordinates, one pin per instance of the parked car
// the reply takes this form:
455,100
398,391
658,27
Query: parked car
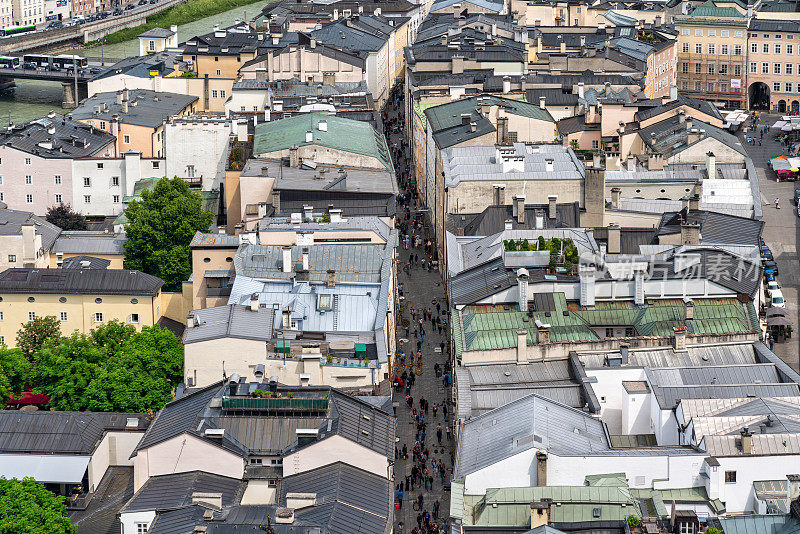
770,287
770,265
776,299
130,6
797,196
142,2
95,70
29,65
55,24
118,12
766,254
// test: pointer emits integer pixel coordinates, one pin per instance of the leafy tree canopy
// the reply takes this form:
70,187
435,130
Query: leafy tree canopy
65,218
35,333
112,368
161,225
26,507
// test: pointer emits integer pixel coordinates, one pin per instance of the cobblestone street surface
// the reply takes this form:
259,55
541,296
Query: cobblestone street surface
420,405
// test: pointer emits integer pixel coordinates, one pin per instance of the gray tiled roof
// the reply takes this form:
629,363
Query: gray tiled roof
89,242
71,139
715,228
168,492
79,282
695,356
48,432
146,108
157,33
231,321
85,262
201,240
11,222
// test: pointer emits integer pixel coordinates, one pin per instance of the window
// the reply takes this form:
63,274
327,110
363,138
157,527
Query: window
777,36
710,87
219,72
723,49
216,58
87,182
126,139
156,164
115,181
98,317
29,198
31,316
27,161
737,50
685,31
712,33
723,69
711,68
698,68
87,199
685,85
764,68
737,70
141,528
766,36
788,87
58,179
789,49
712,48
776,68
730,477
777,49
1,316
630,332
135,318
698,32
214,93
686,528
222,93
765,48
776,87
685,48
595,144
28,179
151,45
754,47
753,67
685,68
12,258
725,33
102,125
698,86
63,317
58,199
698,48
190,171
788,68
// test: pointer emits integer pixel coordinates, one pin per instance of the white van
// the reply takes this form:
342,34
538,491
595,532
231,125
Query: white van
777,300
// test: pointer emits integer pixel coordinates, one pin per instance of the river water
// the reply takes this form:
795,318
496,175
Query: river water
33,98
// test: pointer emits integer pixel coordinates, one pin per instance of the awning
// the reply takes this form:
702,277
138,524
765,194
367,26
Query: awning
777,311
44,468
778,320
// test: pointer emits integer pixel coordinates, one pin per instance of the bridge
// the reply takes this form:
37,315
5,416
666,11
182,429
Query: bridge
69,82
91,31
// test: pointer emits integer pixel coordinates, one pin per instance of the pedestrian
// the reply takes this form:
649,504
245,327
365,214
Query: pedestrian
420,500
435,409
436,509
439,433
448,432
399,498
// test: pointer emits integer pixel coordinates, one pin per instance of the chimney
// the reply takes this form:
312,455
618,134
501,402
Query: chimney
690,233
541,469
308,213
613,238
509,224
276,201
673,92
309,137
580,89
688,122
465,119
689,310
261,75
655,162
190,321
681,116
563,47
680,337
506,85
284,516
330,278
794,487
286,252
125,95
711,165
336,215
214,499
124,106
297,501
305,258
28,245
542,333
519,202
694,203
254,302
616,194
522,347
552,206
522,287
542,100
597,161
548,165
499,194
631,163
119,98
294,158
322,126
747,441
473,127
328,78
540,512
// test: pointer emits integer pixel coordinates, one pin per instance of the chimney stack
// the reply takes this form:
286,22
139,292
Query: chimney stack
580,89
499,191
614,239
552,206
254,302
541,469
286,253
711,165
680,337
519,202
305,258
294,157
330,279
690,233
747,441
689,310
522,287
522,347
542,101
616,195
506,84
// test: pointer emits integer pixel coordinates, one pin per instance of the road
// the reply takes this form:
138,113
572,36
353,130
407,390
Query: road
780,232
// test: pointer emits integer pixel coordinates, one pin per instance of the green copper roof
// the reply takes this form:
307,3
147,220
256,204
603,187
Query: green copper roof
341,134
709,9
609,479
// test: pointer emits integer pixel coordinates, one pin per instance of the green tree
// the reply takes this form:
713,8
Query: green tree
65,218
33,334
15,369
161,226
113,368
26,507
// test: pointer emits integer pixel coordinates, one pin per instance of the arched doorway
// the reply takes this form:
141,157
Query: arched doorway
795,107
781,106
758,96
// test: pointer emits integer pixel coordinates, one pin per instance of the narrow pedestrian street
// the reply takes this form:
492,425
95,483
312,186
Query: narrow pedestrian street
422,375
